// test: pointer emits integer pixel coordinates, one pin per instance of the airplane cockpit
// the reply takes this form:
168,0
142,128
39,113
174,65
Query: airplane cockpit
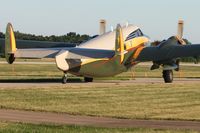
134,34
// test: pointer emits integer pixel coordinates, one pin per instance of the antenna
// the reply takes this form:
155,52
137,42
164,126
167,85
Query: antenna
111,28
127,23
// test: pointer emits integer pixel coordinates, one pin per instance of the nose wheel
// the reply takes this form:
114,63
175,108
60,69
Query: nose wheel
64,78
168,76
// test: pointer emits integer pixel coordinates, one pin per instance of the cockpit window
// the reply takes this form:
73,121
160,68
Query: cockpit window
134,34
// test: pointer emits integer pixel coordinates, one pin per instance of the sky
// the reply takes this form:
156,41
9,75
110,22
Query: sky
157,18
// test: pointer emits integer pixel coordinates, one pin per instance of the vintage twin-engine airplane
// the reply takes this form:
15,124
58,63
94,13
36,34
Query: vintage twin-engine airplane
109,54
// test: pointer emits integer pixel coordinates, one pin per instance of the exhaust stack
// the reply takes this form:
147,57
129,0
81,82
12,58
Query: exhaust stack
102,29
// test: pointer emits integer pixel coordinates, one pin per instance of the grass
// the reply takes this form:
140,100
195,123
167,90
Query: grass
50,71
140,71
135,101
30,128
19,71
148,101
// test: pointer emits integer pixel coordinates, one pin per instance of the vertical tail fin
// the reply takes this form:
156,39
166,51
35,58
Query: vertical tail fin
10,44
119,43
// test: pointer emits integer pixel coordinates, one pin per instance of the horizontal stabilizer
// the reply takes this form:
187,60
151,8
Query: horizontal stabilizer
73,53
80,53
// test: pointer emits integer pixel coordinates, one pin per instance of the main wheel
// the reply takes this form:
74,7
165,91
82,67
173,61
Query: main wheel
168,76
87,79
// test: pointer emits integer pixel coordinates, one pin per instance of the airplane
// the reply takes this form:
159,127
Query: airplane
109,54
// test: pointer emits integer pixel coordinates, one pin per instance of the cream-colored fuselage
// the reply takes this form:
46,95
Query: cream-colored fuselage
109,66
107,40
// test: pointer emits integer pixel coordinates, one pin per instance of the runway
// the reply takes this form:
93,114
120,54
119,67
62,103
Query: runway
53,63
98,83
54,118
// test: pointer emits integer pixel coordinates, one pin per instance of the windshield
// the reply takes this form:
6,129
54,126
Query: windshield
135,34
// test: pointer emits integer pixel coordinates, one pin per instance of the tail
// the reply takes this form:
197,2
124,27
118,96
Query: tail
119,44
10,44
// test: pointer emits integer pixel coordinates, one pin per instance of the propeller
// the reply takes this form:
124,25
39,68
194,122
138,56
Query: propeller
179,35
180,39
180,29
175,63
102,27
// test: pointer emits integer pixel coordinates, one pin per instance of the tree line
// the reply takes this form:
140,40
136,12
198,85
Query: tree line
70,37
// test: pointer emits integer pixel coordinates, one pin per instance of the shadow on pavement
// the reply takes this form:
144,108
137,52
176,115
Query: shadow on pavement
39,81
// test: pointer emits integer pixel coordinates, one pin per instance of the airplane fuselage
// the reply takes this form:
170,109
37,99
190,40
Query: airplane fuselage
105,67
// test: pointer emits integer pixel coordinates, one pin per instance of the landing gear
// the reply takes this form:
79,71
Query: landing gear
178,65
64,78
168,76
87,79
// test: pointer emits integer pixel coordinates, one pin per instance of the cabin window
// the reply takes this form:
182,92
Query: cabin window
134,34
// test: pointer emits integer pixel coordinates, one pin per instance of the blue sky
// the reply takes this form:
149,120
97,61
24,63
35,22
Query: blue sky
157,18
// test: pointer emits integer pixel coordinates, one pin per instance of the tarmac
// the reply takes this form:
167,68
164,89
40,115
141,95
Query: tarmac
66,119
98,83
52,62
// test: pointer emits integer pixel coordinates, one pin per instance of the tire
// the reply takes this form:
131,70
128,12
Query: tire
87,79
168,76
64,80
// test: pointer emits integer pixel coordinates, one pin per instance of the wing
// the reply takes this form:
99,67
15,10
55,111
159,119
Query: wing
170,52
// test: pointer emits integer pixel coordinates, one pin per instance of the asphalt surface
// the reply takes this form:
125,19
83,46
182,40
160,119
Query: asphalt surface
99,83
54,118
52,62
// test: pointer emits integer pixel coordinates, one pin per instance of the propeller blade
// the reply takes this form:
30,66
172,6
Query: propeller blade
180,29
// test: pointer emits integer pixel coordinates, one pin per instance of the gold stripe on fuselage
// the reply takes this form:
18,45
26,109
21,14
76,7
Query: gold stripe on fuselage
133,43
137,52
